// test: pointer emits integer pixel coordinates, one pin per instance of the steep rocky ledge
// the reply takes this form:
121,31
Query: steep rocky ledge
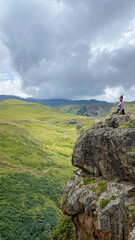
100,197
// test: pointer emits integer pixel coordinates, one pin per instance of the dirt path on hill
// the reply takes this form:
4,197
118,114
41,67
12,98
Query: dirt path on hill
58,141
10,122
52,147
3,165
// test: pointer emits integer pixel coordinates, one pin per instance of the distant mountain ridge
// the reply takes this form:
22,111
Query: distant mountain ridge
53,102
90,108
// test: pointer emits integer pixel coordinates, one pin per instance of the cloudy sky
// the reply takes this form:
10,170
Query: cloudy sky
73,49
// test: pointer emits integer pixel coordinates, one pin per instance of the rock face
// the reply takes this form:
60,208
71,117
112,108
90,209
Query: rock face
100,197
106,150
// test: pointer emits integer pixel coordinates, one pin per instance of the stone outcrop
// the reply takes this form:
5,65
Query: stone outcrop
106,150
100,196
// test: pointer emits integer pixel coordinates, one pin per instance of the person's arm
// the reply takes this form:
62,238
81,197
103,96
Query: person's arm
116,109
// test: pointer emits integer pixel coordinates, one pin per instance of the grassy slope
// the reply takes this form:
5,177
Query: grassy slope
36,144
36,137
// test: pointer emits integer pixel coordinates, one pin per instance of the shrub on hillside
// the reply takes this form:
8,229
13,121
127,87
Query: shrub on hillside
63,229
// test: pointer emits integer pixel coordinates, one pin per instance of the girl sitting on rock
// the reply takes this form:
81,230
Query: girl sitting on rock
120,108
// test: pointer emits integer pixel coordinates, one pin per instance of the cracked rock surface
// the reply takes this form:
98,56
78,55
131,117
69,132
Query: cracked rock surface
100,196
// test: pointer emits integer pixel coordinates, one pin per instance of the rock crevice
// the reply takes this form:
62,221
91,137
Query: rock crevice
100,196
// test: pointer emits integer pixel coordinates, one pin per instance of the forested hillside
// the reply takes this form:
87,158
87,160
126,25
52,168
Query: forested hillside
36,145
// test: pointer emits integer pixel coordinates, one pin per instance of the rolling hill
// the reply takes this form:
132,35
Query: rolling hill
36,143
77,107
90,108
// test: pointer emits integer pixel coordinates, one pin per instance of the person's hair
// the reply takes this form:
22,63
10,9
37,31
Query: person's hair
121,96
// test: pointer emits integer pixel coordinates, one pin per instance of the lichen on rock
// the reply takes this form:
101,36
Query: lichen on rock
100,196
103,150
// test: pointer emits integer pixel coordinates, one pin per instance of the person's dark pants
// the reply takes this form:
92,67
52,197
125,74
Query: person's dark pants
123,112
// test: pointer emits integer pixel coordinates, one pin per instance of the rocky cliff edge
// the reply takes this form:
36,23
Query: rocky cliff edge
100,196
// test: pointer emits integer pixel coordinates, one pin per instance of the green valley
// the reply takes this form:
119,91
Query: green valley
36,144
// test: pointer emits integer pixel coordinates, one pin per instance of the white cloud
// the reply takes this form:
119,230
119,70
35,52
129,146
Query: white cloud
113,94
11,87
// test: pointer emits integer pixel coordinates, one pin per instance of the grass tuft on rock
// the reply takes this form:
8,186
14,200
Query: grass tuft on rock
131,209
132,149
65,197
104,201
99,188
87,180
118,180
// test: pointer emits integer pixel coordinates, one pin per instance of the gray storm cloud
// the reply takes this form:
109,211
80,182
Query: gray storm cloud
70,49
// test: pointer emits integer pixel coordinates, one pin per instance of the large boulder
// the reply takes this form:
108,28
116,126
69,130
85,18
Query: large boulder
100,196
107,149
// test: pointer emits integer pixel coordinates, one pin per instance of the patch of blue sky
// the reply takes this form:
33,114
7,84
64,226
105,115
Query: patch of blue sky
7,75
